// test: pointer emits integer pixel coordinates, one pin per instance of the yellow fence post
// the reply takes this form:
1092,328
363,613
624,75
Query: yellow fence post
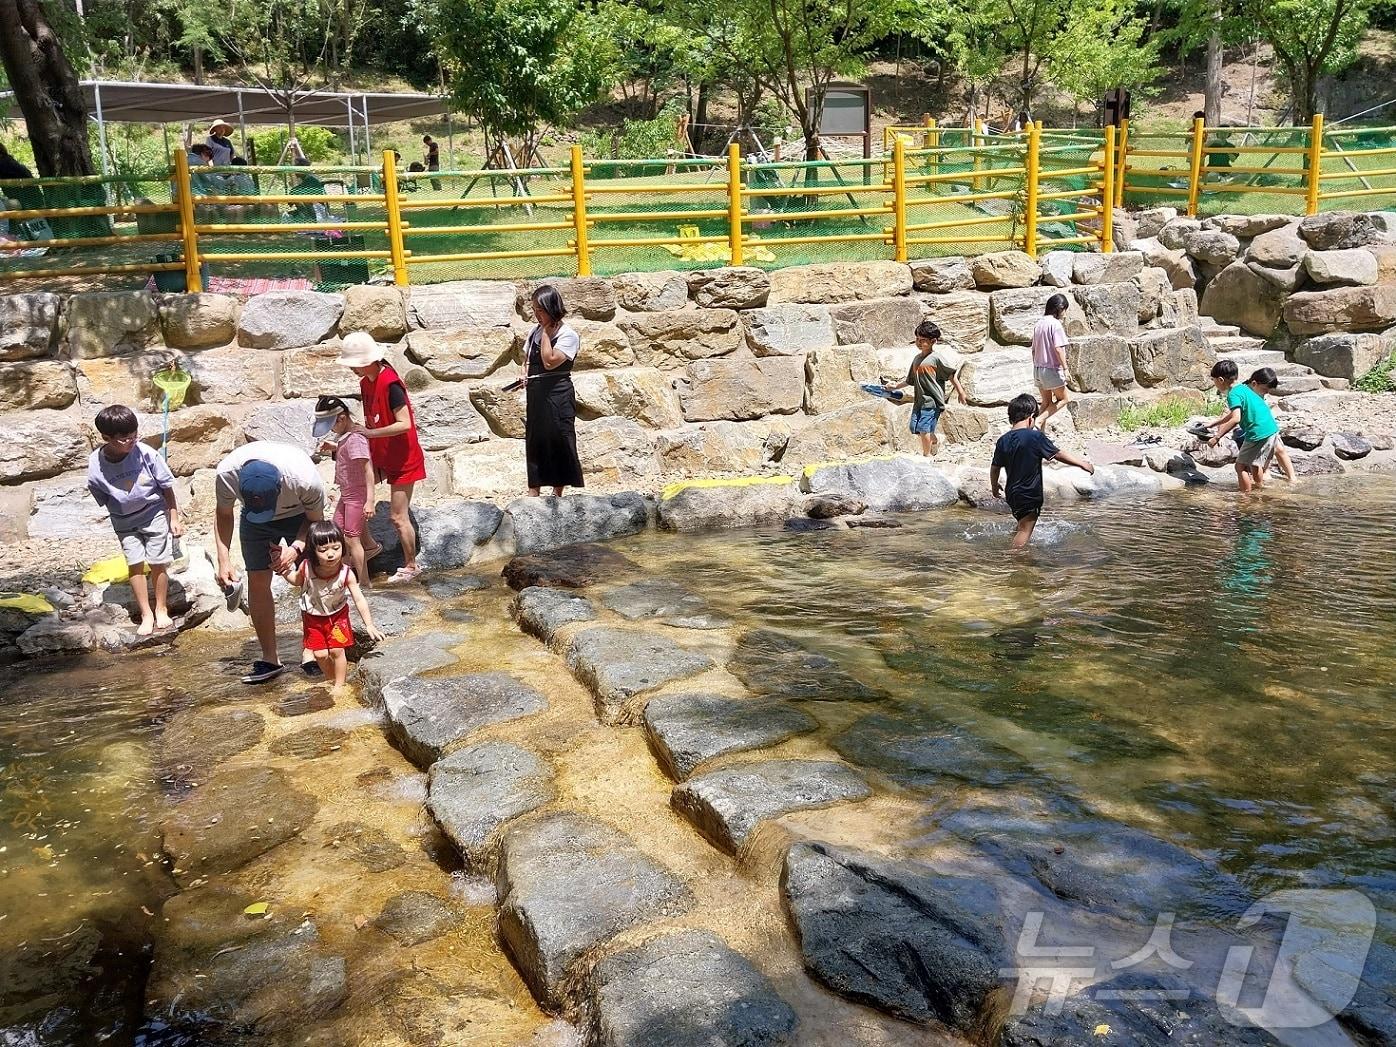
933,143
1107,194
974,140
579,212
193,279
899,198
397,254
734,202
1195,165
1030,207
1122,163
1315,172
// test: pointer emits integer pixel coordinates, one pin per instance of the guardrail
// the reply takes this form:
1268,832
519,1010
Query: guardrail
934,190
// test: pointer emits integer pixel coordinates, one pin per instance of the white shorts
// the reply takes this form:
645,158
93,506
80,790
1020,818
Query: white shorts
149,541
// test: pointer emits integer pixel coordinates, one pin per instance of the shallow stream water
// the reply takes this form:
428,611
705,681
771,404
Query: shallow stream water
1217,674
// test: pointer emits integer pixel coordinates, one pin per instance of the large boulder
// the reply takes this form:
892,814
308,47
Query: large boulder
1016,312
461,304
589,297
38,444
1173,356
643,394
110,323
682,988
63,508
620,665
672,337
446,420
1099,364
542,611
834,282
198,321
1114,268
1278,248
1339,230
1354,266
316,371
686,729
833,376
1341,309
717,447
232,375
1154,288
726,805
1057,267
380,311
1344,355
941,275
616,452
504,410
1003,269
288,319
993,378
1173,233
1238,296
195,437
285,421
473,793
1212,246
1247,226
901,936
28,325
450,534
658,599
1150,221
877,321
1173,261
570,567
1110,308
603,345
457,355
567,884
898,483
788,330
738,503
550,523
962,316
651,292
731,287
37,384
848,432
428,717
742,389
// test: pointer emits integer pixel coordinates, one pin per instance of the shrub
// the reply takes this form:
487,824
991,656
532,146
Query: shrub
1165,413
1379,379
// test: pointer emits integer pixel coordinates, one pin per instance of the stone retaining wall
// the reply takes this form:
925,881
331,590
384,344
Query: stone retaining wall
733,370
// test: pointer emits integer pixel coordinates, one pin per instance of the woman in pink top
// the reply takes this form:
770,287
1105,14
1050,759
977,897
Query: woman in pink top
353,475
1049,342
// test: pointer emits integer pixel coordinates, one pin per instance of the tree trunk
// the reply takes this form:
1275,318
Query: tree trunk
46,88
198,65
1211,99
700,117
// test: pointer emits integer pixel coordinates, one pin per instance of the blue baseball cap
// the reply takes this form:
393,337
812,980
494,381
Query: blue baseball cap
259,484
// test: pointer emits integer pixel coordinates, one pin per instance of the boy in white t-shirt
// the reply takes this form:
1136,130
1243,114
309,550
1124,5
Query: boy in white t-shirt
1049,342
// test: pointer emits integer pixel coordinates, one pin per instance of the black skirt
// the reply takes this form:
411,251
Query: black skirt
550,432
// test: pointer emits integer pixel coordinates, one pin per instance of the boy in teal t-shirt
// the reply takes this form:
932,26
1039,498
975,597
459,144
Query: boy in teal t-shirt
1259,433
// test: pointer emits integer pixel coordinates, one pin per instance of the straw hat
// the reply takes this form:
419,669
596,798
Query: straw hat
359,350
221,127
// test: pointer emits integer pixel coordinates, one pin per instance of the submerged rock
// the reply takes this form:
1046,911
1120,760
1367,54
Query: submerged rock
573,567
773,663
686,729
619,664
727,804
541,611
569,883
414,917
921,751
372,848
475,791
311,743
897,935
196,740
403,656
667,601
232,818
429,716
684,989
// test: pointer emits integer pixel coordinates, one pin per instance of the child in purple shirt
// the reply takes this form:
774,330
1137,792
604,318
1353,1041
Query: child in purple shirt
134,484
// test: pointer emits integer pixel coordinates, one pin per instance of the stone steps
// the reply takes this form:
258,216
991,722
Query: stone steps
1224,345
1212,329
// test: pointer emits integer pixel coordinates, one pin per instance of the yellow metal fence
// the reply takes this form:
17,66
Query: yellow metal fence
934,190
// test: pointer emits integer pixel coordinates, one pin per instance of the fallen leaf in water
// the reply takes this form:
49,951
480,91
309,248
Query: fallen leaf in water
146,911
256,909
1102,1030
360,922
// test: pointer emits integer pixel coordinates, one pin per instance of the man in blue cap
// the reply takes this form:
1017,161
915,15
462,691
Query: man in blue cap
282,495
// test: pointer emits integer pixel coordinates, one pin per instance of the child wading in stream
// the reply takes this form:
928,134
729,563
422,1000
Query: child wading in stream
327,584
1247,410
1021,451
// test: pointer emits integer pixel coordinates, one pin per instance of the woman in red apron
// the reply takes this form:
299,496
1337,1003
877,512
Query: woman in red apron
391,429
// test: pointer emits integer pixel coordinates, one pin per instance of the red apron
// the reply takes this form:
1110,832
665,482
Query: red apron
398,458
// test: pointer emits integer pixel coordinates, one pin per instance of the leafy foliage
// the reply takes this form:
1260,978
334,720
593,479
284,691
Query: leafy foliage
1380,378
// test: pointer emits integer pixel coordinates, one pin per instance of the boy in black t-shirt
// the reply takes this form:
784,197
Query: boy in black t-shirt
1021,451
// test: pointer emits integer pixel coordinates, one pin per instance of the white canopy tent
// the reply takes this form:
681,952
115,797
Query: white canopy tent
120,102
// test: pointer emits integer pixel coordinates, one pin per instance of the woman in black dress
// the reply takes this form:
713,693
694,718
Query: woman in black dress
550,428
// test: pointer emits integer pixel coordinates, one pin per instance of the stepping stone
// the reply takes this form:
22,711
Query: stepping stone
726,805
573,567
897,935
541,611
473,792
683,989
568,883
618,664
449,586
403,656
922,752
311,743
372,848
686,729
236,815
667,601
194,740
315,700
428,716
773,663
393,611
414,917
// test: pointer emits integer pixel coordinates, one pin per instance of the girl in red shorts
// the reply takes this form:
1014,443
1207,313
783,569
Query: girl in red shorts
327,584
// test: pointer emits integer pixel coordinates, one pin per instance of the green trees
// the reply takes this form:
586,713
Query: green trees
46,88
1311,38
